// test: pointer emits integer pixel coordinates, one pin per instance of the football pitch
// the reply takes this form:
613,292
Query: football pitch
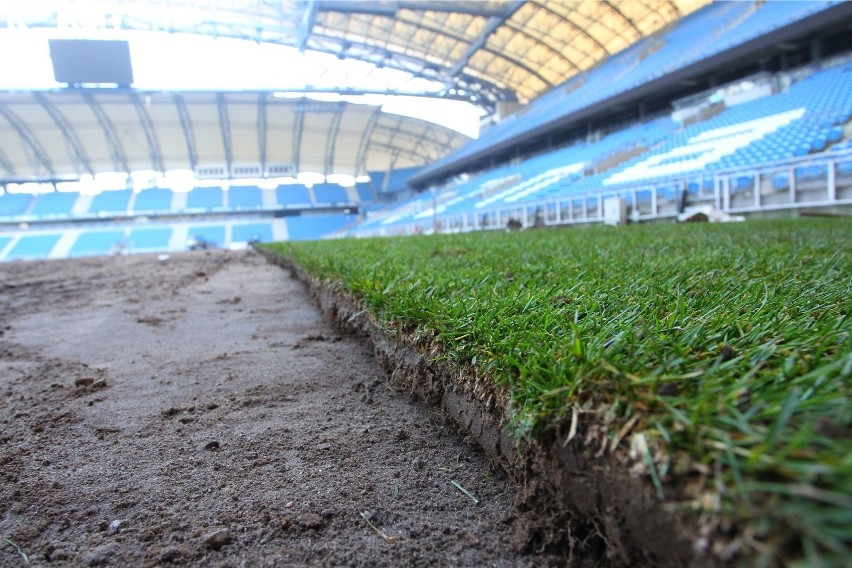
714,360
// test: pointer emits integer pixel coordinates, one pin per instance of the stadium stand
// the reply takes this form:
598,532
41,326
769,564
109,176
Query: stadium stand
53,205
205,199
110,202
393,181
366,193
245,198
91,243
292,196
330,194
33,247
14,204
311,227
732,24
243,233
658,160
153,201
213,234
149,239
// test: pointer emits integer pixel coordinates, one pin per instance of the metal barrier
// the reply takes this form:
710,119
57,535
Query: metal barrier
817,180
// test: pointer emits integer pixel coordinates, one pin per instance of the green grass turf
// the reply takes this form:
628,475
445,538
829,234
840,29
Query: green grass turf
727,347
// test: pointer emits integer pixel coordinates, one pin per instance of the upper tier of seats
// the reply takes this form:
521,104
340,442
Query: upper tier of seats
14,205
730,24
153,201
808,117
242,198
111,202
53,205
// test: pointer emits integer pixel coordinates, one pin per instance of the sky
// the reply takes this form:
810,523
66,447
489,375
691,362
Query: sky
191,62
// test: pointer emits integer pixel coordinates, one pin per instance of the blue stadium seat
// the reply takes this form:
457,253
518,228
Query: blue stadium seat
243,198
14,204
292,196
205,199
149,239
97,242
213,234
33,246
154,200
366,193
243,233
311,227
111,202
56,204
330,194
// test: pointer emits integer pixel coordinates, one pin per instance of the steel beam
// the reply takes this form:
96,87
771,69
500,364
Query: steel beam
493,24
331,140
7,164
471,8
67,131
262,127
611,5
298,126
119,159
361,161
28,138
225,129
188,132
552,49
155,153
309,16
570,22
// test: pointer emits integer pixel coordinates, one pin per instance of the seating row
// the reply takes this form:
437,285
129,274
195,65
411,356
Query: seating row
59,205
810,116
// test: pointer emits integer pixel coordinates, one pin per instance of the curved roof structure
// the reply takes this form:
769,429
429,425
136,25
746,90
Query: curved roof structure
489,50
482,51
50,134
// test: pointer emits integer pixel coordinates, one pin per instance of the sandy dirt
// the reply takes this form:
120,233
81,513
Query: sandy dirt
199,411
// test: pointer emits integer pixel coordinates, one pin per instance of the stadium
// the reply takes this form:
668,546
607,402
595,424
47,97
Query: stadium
564,282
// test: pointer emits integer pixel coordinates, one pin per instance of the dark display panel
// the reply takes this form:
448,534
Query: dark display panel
91,61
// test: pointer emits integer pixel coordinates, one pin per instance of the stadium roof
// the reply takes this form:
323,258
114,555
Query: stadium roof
50,134
482,51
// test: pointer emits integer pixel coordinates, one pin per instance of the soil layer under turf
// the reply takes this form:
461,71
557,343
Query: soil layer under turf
666,385
199,411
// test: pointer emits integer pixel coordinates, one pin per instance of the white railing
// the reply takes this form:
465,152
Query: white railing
813,181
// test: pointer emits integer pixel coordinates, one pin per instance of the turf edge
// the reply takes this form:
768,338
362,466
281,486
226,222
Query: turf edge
575,499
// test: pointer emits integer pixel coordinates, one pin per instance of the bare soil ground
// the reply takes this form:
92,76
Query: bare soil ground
199,411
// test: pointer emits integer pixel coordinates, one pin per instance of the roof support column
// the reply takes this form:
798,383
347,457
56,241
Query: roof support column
361,161
188,132
29,138
309,16
83,163
6,163
119,160
298,126
225,127
331,141
154,152
262,127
